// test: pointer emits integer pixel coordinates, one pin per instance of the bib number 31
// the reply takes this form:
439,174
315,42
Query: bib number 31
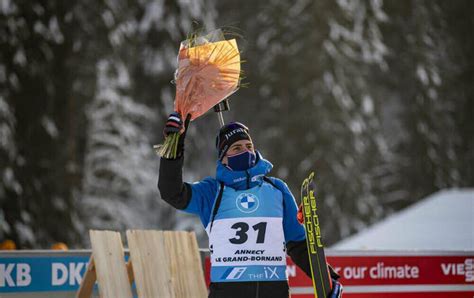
242,228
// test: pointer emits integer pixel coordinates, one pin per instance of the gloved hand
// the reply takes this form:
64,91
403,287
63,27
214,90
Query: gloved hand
336,291
174,124
299,214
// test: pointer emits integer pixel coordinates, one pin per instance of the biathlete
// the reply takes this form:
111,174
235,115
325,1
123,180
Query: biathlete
250,218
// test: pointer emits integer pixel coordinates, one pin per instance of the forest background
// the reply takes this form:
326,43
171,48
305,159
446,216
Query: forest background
375,96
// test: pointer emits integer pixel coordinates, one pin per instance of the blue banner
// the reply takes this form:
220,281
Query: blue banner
40,274
247,273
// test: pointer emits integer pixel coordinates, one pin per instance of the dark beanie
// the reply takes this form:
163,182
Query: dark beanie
229,134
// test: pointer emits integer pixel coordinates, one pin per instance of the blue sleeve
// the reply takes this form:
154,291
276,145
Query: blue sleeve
293,230
203,194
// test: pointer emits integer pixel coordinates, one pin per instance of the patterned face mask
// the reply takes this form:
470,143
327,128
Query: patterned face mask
241,161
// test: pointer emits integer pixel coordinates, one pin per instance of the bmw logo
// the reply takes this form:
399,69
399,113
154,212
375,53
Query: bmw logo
247,202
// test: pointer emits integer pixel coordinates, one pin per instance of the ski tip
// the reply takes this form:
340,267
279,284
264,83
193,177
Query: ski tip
305,182
311,178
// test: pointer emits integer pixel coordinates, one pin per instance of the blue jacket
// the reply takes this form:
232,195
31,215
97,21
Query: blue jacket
205,191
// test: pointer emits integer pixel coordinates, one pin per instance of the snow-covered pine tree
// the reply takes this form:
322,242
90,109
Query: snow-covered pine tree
318,108
120,168
354,56
144,38
457,82
8,149
160,29
36,81
426,158
8,153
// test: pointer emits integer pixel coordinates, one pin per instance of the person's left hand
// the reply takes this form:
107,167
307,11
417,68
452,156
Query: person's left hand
299,214
336,291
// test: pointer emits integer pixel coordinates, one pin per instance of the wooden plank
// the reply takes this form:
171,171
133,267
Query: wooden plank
174,256
150,264
196,269
185,264
88,280
185,282
110,264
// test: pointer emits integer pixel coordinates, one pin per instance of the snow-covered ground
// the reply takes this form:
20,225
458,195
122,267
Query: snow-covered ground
442,221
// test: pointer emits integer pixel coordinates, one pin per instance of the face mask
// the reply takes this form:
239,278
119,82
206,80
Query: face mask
241,161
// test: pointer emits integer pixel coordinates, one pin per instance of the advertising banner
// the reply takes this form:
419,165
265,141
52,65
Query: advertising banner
41,273
363,273
394,274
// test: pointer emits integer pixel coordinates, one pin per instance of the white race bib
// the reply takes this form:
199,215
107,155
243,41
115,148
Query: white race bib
247,241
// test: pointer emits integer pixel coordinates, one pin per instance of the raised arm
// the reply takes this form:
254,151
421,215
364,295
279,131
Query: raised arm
170,183
196,198
170,180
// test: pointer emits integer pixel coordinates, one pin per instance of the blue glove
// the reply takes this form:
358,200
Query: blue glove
336,291
174,124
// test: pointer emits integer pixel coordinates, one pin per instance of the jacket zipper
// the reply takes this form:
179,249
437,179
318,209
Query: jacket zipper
257,294
248,179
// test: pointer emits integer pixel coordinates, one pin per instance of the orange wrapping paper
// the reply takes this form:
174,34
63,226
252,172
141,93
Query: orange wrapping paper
206,75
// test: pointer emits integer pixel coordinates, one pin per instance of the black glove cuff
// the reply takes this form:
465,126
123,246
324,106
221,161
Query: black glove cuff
180,152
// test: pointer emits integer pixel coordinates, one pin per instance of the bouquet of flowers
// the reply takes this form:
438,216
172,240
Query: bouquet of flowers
208,72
